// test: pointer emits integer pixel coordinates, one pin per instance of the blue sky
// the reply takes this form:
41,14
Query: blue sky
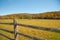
28,6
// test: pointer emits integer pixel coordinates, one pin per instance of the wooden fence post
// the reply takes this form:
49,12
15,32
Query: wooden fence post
15,29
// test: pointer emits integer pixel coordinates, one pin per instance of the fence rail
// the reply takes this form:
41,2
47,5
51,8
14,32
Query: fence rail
24,25
37,27
6,36
25,35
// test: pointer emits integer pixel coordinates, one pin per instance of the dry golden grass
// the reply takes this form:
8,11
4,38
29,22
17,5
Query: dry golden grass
41,22
33,32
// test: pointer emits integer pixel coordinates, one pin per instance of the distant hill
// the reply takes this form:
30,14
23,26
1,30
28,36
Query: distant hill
45,15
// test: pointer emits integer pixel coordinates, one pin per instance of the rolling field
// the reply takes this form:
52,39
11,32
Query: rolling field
43,34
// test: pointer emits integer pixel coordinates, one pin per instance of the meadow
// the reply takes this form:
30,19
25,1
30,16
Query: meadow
47,35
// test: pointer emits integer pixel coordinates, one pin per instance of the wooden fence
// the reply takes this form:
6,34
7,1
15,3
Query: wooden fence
24,25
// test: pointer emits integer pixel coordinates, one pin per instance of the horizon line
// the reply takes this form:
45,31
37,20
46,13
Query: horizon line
27,13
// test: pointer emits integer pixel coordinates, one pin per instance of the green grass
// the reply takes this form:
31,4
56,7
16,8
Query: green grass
30,31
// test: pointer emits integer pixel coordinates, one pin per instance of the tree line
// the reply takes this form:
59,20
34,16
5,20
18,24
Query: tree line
47,15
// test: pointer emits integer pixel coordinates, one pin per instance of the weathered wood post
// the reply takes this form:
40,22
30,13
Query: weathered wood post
15,29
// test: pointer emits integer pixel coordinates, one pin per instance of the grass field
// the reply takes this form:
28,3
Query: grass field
30,31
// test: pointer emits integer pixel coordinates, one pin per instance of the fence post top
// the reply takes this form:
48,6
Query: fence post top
15,21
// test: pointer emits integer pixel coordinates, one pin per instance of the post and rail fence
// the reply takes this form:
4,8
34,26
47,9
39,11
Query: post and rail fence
24,25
